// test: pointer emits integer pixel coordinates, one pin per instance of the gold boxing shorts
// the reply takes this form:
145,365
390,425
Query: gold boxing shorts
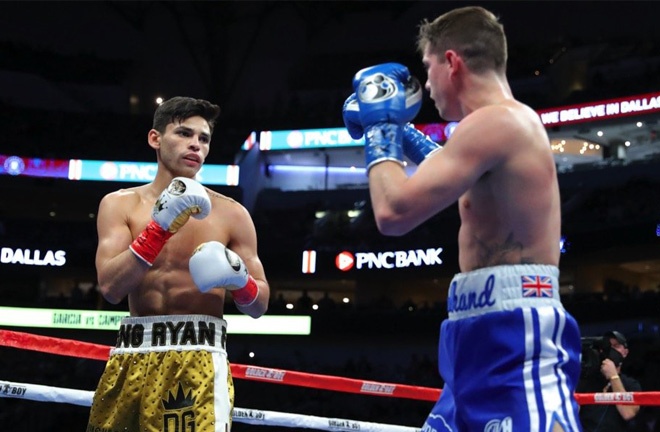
166,374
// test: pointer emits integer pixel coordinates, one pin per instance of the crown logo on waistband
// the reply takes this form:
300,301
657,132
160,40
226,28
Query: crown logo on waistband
179,400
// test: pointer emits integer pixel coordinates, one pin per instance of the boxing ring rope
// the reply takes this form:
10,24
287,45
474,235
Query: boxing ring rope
73,348
78,349
42,393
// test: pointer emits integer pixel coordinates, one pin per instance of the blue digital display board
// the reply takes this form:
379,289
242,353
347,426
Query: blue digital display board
306,139
92,170
309,139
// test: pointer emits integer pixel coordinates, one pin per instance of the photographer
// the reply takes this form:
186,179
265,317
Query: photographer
601,372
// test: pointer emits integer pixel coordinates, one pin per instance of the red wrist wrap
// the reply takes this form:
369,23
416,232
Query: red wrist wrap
246,295
150,242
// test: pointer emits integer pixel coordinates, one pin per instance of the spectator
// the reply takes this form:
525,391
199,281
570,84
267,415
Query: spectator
609,418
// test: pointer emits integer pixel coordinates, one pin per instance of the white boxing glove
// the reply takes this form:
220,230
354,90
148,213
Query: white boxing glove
183,198
213,265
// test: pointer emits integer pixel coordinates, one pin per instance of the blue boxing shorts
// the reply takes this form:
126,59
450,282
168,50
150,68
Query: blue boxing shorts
509,354
167,373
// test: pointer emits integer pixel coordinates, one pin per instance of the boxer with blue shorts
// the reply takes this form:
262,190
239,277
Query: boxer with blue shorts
511,316
509,352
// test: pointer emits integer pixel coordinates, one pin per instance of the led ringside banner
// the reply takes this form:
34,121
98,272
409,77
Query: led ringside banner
308,139
601,110
110,320
79,169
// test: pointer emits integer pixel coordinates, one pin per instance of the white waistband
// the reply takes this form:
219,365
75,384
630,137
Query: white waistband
500,288
171,332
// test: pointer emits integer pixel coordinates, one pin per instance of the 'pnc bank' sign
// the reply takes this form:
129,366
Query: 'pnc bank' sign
346,261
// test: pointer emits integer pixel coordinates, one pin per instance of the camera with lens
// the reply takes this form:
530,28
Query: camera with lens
594,351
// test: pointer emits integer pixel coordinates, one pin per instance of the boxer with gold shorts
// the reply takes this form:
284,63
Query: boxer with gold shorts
167,374
174,249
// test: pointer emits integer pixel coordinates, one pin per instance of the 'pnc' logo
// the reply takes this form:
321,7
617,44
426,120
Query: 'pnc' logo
344,261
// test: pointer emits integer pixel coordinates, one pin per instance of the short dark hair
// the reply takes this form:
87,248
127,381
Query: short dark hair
180,108
618,336
472,31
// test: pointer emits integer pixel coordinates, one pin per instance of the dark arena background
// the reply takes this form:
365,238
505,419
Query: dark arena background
79,82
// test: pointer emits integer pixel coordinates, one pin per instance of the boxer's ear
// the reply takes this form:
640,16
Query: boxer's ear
153,139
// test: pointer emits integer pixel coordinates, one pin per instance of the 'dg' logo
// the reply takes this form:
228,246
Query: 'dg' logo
179,415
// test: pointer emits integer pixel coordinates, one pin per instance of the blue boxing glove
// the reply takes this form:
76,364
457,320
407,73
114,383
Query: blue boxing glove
351,114
416,145
387,93
375,150
388,97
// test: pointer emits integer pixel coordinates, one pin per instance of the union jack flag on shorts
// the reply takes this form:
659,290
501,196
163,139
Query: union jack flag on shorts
536,286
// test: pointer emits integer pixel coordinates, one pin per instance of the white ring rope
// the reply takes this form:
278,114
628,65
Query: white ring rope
43,393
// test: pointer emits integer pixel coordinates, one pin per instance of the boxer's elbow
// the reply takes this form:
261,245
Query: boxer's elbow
391,230
111,298
393,217
390,224
109,293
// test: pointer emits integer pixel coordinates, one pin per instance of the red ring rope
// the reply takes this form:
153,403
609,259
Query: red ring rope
73,348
